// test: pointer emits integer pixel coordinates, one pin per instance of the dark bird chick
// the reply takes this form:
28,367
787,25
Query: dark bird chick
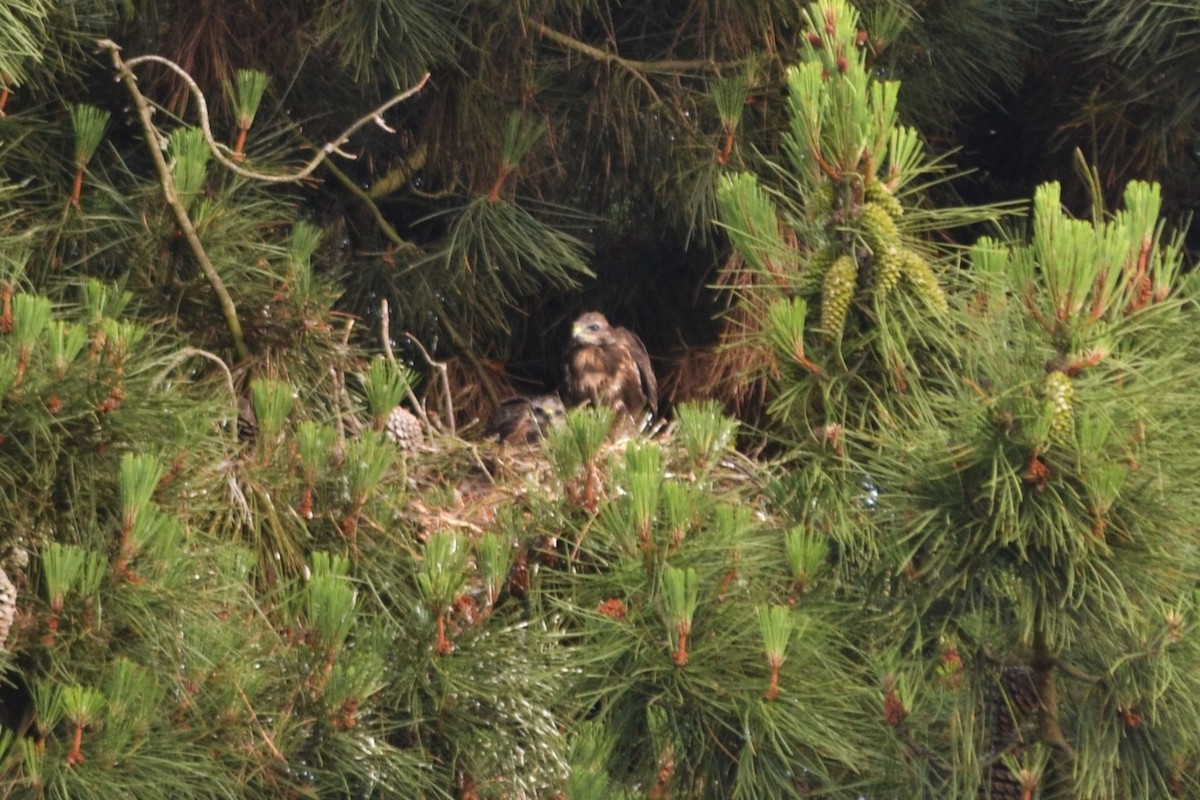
524,420
609,366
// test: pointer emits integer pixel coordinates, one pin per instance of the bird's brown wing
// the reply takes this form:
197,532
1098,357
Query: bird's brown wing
641,360
510,421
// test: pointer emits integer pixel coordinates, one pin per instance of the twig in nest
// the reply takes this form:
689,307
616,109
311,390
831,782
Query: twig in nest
385,325
340,396
440,368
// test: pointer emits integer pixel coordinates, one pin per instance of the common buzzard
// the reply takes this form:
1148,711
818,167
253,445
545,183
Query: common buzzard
524,420
609,366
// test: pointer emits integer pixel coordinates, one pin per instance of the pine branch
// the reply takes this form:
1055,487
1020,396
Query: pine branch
400,175
385,227
334,146
440,368
385,333
636,67
228,308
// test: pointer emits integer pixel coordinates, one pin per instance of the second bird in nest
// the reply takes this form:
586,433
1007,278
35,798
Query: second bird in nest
524,420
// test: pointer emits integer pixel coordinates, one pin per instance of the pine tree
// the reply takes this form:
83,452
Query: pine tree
1004,480
242,558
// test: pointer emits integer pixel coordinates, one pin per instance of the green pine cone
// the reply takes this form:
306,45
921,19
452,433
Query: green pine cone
819,203
919,274
878,227
878,193
812,274
882,236
837,292
1059,404
889,267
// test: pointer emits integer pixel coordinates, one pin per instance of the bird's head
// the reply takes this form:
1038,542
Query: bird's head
591,329
548,410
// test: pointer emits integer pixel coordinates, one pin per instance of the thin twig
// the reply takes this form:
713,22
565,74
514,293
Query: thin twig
401,175
669,66
153,144
385,227
440,368
634,68
187,353
385,316
1075,672
340,394
266,736
202,106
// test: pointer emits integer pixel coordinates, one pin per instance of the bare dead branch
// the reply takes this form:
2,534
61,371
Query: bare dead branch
153,144
385,334
217,148
443,373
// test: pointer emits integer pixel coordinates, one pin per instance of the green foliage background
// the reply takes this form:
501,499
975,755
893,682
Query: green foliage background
947,551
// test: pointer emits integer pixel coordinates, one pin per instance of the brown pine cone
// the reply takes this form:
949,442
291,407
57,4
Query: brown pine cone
8,606
404,429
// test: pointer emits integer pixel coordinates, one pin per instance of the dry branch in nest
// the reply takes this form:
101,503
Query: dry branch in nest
735,371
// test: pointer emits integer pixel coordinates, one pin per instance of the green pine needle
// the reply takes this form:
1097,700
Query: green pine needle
807,555
81,705
521,134
368,460
577,443
729,96
102,301
89,124
752,219
189,161
122,336
329,564
643,476
385,384
314,442
273,400
66,343
92,573
680,503
30,316
140,474
443,573
785,327
681,593
158,533
303,242
133,698
329,609
47,702
494,554
246,94
706,433
8,374
905,155
777,624
61,566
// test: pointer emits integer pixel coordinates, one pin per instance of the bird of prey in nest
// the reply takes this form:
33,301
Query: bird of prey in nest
524,420
609,366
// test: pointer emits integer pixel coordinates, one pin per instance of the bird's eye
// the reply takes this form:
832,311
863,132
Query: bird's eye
595,326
